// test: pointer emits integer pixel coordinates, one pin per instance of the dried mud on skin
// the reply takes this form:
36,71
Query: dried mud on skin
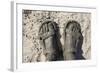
31,21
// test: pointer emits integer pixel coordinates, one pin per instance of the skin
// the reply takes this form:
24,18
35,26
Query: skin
49,42
73,42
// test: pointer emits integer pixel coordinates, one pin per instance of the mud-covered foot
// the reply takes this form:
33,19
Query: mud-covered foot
49,41
73,41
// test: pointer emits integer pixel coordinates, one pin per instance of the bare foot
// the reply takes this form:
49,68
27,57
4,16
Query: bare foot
73,41
49,41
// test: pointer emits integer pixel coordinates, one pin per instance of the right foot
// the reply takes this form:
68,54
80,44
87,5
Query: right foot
73,41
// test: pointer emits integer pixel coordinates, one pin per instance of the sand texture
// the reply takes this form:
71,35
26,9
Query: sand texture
32,20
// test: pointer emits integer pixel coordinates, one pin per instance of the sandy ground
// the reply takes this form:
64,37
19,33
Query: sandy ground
32,21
